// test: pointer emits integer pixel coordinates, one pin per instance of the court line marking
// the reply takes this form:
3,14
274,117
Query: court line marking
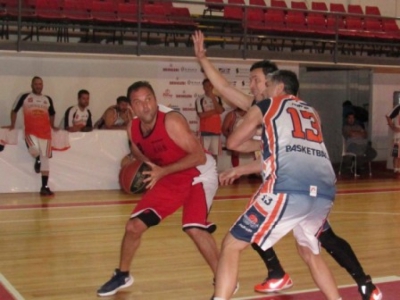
215,211
264,296
49,205
10,288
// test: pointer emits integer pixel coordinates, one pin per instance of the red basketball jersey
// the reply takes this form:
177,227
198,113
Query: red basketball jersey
158,146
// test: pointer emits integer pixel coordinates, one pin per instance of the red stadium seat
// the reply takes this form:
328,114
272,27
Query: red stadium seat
355,9
278,3
76,11
155,18
213,5
127,13
234,12
181,18
275,21
104,12
372,10
319,6
299,5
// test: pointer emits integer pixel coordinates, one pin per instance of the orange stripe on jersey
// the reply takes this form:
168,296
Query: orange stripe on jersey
270,220
48,149
268,119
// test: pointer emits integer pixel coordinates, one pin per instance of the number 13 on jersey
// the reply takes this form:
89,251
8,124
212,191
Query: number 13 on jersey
305,125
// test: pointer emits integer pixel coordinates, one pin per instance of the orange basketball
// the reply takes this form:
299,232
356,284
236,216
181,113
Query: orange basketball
131,177
126,160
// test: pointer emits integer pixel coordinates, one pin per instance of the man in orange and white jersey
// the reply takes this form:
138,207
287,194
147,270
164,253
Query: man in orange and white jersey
393,119
291,141
209,108
39,115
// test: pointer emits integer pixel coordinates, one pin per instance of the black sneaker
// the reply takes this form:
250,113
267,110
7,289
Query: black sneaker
118,281
37,165
1,147
45,191
369,291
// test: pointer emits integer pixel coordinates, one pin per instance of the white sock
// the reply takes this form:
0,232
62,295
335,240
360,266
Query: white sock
219,298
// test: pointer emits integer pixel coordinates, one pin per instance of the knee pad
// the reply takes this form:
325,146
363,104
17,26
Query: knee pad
149,217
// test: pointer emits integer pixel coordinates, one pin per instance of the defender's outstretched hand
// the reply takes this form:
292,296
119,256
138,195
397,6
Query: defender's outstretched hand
228,176
198,44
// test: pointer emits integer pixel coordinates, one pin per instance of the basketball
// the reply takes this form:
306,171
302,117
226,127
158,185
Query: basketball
126,160
131,177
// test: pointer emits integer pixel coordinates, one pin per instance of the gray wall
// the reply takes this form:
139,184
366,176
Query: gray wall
326,90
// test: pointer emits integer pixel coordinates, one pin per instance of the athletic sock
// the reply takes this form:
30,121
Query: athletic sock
271,261
45,180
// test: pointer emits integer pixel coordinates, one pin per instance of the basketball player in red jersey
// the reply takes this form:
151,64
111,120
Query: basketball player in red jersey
277,279
39,116
165,142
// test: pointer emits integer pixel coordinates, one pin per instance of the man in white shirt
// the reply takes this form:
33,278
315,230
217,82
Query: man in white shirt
79,117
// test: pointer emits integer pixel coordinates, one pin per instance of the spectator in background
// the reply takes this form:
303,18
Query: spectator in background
361,114
116,116
231,120
79,117
356,139
209,108
39,116
393,120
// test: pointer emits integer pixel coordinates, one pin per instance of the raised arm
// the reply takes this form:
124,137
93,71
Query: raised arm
231,94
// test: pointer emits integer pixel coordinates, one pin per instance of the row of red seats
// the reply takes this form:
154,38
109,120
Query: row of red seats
278,18
111,11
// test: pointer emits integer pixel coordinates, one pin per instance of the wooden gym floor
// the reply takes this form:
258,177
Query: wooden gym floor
66,247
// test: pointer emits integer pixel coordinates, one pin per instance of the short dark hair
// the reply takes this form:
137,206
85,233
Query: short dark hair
36,77
122,99
347,103
205,81
289,79
267,66
350,113
83,92
138,85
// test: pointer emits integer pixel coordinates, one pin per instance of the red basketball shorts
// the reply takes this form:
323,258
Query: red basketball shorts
171,193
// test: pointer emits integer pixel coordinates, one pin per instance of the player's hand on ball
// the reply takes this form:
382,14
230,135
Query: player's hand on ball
152,176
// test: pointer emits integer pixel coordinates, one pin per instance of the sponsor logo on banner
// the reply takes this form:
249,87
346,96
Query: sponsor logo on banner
184,95
170,68
233,83
225,71
167,94
174,107
242,72
177,81
188,109
189,70
194,82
